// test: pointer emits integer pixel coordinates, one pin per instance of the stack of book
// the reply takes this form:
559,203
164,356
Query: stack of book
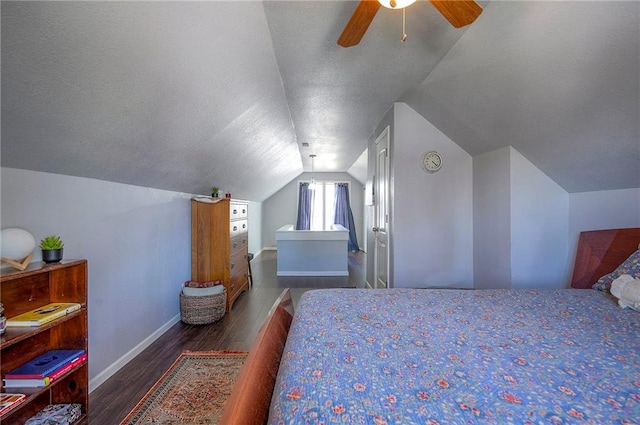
44,369
42,315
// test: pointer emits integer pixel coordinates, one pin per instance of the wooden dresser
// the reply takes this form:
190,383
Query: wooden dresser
219,244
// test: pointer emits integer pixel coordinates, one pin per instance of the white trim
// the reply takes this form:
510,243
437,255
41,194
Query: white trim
336,233
100,378
261,251
313,273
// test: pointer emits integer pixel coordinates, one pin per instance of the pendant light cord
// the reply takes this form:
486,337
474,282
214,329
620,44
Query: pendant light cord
313,157
404,27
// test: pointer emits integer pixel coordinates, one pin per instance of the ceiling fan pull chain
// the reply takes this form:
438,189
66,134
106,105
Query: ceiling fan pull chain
404,32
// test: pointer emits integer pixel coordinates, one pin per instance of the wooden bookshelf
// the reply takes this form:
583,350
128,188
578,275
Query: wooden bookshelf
21,291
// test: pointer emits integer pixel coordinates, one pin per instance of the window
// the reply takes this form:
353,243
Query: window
323,205
318,208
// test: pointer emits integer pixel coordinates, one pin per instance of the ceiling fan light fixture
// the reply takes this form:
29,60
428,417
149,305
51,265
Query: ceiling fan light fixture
396,4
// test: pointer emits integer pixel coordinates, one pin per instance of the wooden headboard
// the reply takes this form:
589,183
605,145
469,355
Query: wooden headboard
600,252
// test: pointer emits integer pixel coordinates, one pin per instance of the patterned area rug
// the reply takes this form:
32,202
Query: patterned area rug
192,391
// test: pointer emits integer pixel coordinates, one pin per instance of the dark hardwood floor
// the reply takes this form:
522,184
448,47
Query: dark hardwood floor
112,401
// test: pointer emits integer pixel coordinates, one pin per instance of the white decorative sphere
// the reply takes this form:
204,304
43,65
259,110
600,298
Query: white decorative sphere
16,243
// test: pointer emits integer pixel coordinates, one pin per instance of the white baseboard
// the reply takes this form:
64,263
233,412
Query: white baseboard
313,273
261,251
118,364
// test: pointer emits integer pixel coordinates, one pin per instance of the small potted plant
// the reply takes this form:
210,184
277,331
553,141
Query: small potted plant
51,249
214,192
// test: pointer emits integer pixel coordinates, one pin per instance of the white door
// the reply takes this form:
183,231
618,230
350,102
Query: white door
381,211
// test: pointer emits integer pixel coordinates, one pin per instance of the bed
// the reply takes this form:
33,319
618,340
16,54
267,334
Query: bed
431,356
459,356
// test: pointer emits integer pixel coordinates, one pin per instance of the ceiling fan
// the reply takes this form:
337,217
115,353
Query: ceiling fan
458,12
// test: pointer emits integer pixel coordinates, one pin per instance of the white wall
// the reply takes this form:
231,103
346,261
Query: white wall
282,207
539,227
432,213
520,223
492,219
609,209
138,245
255,230
277,210
524,226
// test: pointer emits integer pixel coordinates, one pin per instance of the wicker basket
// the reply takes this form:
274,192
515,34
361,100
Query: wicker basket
202,310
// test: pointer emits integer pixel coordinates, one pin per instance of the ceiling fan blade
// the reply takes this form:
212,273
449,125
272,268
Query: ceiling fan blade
359,22
458,12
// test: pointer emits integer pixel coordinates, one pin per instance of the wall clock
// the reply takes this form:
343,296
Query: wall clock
431,162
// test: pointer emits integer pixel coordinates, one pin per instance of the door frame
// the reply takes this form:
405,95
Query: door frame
382,143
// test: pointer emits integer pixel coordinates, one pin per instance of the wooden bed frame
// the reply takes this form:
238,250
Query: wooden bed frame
250,397
600,252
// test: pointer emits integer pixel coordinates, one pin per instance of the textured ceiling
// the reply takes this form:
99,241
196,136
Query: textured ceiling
338,96
173,95
558,81
185,95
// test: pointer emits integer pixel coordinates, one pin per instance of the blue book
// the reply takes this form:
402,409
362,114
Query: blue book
43,365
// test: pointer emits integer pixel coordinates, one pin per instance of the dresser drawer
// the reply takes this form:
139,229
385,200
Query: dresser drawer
238,261
238,281
240,242
237,210
238,227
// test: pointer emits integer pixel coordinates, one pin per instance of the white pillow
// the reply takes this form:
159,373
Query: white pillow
200,292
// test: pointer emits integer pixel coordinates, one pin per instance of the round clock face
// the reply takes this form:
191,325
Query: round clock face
431,161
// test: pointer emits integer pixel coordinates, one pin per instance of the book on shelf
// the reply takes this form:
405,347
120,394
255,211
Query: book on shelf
45,364
41,315
10,400
26,382
13,381
56,374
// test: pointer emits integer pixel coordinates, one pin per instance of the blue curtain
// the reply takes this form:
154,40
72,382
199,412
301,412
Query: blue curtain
305,204
344,215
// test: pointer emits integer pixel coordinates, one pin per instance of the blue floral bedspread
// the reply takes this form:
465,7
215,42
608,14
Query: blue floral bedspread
418,356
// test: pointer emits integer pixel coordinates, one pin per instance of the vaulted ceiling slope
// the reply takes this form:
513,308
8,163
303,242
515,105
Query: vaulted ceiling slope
187,95
557,80
173,95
